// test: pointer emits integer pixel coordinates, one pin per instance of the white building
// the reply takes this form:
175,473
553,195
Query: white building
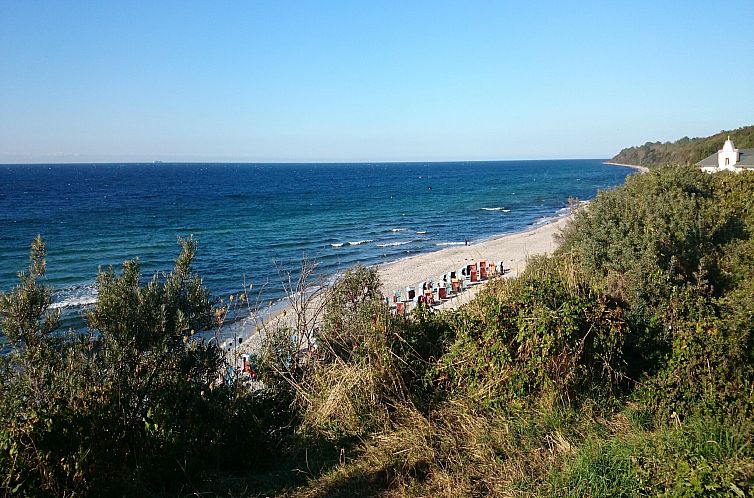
728,159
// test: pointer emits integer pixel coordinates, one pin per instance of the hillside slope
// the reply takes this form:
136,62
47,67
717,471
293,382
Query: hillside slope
685,150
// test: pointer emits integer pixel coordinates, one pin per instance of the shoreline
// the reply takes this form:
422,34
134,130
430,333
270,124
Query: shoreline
641,169
514,250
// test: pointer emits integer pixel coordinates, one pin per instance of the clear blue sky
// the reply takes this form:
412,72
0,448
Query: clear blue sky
363,81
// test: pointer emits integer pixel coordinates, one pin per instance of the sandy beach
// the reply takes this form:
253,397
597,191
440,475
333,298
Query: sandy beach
642,169
513,250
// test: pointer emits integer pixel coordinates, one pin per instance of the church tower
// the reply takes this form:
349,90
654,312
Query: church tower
727,157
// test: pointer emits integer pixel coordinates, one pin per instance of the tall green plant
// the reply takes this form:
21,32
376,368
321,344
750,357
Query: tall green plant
37,390
137,408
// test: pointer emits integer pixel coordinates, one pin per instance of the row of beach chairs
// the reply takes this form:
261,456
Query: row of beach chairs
447,286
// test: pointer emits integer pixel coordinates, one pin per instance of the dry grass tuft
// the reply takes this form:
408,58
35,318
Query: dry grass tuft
345,400
453,451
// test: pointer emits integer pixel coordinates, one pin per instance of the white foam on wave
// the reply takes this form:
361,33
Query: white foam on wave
393,244
74,297
501,209
421,232
352,243
397,230
450,243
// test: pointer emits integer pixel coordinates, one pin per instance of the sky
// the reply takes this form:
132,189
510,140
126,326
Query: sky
287,81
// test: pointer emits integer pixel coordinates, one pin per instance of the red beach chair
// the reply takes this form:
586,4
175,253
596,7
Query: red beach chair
400,309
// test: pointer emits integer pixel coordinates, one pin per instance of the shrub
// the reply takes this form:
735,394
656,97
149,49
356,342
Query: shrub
546,333
133,410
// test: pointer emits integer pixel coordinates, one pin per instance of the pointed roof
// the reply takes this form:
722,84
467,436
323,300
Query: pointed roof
728,146
745,159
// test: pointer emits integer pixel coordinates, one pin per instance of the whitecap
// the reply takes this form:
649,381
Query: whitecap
75,297
397,229
393,244
339,244
359,242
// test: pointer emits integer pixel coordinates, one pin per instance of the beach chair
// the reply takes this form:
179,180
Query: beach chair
490,270
410,293
472,273
428,293
482,270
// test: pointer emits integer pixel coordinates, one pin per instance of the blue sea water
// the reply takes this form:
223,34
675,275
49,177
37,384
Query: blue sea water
253,219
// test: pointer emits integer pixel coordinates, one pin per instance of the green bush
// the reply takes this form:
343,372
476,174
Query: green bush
675,247
547,333
134,408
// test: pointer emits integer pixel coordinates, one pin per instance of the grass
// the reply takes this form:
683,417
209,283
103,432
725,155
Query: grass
701,457
457,451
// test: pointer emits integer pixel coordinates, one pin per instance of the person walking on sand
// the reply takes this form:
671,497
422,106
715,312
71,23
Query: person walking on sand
467,241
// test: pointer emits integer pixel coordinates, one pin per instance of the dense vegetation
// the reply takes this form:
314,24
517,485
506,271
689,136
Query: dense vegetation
623,365
685,150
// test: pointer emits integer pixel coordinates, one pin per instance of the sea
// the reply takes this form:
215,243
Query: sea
256,222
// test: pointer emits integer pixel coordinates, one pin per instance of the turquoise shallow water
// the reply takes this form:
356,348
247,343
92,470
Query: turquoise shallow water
251,219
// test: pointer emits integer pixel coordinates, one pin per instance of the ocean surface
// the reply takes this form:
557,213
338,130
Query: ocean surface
254,220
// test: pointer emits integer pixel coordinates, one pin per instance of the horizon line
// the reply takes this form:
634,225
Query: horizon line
394,161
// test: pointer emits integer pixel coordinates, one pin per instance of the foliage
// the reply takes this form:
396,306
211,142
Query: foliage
621,365
352,309
685,150
548,333
133,407
701,458
354,377
26,315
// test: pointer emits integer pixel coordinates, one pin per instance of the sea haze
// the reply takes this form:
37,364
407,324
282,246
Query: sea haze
251,219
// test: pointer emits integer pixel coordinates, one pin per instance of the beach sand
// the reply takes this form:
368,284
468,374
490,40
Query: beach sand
513,250
641,169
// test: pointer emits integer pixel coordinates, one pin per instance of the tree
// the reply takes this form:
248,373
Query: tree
134,410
